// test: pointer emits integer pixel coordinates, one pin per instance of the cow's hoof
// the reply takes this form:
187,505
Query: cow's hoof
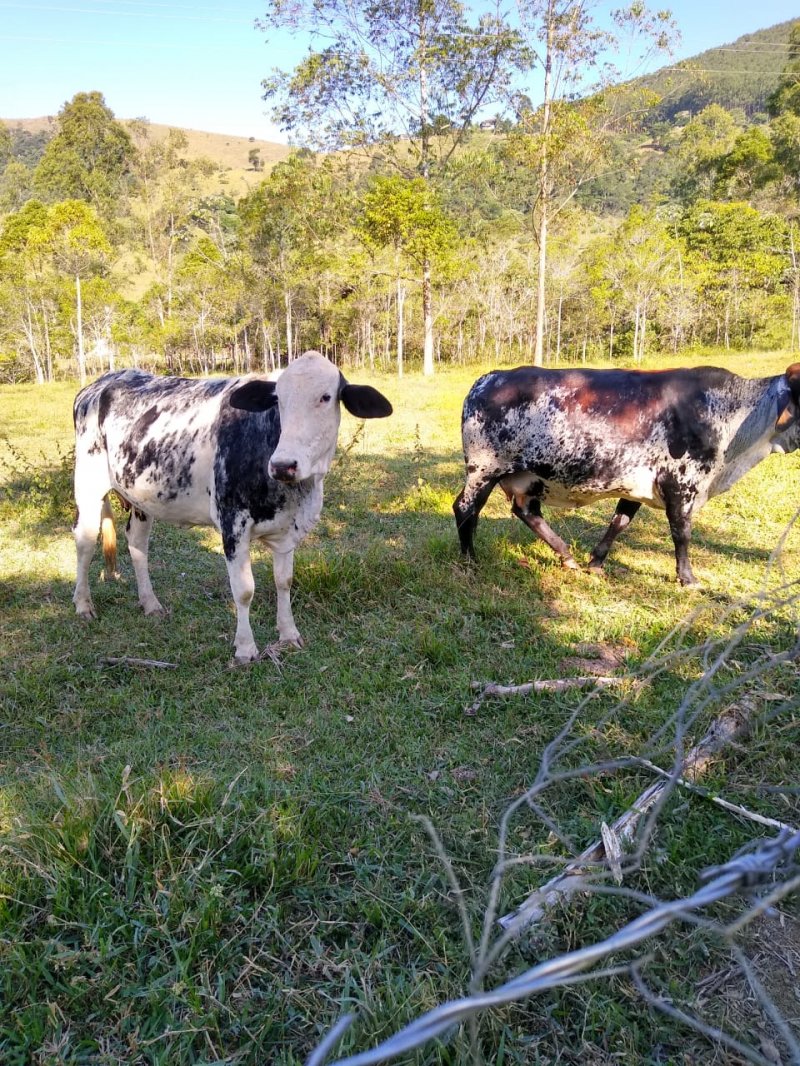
295,642
246,660
596,570
568,563
87,613
692,585
154,609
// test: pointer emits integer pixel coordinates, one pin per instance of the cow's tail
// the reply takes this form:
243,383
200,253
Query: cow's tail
108,532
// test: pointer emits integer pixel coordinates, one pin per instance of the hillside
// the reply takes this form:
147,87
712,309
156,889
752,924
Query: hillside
228,152
740,74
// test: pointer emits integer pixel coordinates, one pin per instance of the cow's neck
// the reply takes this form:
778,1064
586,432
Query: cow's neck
750,437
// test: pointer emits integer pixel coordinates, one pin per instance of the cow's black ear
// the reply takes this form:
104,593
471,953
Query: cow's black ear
254,395
365,402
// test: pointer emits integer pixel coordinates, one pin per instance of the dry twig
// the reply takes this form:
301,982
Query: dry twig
128,660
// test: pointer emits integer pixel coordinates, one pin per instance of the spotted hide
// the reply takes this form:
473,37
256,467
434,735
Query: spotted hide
671,439
245,455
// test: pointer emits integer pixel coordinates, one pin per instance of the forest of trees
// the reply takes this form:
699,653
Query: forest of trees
589,226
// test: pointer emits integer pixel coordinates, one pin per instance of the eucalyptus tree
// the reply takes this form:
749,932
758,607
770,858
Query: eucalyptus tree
562,142
47,255
401,82
406,216
740,256
288,221
89,157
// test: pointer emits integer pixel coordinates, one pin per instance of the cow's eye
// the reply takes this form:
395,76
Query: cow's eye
326,398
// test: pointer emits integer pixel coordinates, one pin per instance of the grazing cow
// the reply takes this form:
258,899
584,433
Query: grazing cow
245,455
671,439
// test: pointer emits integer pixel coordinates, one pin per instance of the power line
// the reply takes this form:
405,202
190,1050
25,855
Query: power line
124,14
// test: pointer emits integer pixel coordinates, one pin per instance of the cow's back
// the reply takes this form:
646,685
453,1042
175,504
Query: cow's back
593,433
168,440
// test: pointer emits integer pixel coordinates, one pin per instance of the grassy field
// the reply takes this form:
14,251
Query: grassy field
211,864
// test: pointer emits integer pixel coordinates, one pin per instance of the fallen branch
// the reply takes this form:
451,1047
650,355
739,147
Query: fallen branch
552,684
721,732
127,660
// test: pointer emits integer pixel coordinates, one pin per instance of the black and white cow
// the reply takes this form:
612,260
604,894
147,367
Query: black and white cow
671,439
245,455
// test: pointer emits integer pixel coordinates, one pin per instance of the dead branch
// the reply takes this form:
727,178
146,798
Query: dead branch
720,733
127,660
551,684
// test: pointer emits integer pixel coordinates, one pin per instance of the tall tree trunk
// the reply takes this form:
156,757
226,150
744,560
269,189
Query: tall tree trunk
544,193
79,330
636,334
48,348
401,299
33,348
427,300
427,319
287,306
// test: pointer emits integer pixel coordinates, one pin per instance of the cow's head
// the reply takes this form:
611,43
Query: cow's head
788,424
308,394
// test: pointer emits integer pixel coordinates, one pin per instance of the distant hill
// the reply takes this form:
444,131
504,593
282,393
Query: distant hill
741,74
230,153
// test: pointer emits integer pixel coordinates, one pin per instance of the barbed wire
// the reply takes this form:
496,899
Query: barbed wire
766,870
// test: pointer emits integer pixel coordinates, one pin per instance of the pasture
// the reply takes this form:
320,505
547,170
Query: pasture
210,864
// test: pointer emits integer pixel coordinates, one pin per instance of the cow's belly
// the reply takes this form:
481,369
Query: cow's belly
637,484
184,508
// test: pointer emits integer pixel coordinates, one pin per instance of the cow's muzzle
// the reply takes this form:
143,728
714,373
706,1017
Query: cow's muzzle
284,471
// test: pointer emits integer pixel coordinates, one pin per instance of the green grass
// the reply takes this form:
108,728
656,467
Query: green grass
208,864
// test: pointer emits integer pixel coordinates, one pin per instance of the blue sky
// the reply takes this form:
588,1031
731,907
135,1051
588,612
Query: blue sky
200,64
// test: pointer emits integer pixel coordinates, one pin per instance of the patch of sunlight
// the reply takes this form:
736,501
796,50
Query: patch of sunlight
423,499
6,812
180,786
44,557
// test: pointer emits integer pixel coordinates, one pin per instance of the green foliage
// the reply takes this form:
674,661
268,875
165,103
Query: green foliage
6,145
406,215
741,76
88,158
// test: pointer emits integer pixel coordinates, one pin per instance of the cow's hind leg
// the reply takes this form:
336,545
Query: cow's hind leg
623,516
138,532
530,512
468,505
91,488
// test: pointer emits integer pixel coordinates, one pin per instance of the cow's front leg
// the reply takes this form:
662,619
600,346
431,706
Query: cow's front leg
138,532
679,515
283,571
531,515
623,516
243,587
